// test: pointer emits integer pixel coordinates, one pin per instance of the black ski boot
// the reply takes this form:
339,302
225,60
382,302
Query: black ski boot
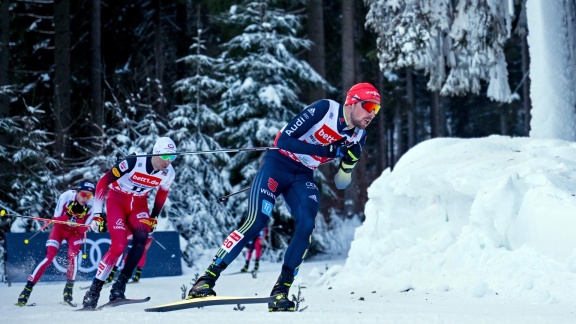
68,290
118,288
256,265
204,284
280,292
93,294
25,294
111,275
245,269
137,274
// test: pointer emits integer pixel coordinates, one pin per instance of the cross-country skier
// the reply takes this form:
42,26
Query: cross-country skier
323,131
74,206
128,184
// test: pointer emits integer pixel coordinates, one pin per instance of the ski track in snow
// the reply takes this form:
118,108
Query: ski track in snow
324,303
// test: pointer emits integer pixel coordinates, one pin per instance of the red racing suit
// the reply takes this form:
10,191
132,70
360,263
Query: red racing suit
128,184
74,235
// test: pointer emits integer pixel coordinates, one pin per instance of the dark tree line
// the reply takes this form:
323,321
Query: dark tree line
74,74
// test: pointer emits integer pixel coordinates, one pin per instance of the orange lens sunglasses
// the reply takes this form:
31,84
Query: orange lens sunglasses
370,106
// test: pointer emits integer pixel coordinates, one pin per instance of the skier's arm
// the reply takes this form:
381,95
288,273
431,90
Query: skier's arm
288,138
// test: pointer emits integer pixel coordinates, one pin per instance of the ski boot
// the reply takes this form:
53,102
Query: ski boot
68,290
137,274
256,265
118,288
245,269
280,292
93,294
111,275
25,294
205,284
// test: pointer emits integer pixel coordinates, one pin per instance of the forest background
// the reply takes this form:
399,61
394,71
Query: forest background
84,83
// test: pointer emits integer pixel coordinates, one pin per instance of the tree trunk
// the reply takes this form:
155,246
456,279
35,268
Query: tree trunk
62,77
96,75
348,66
411,100
4,56
317,55
399,129
348,79
159,51
552,93
526,85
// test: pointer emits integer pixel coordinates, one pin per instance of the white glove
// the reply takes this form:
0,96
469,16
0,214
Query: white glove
97,224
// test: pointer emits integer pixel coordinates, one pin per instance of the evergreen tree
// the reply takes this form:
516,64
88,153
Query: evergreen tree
458,47
194,209
29,187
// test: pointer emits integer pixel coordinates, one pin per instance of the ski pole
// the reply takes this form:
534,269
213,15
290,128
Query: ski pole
84,248
162,246
3,213
227,150
26,241
224,199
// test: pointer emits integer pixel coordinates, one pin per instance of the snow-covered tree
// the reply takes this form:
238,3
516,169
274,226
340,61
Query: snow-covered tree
195,210
459,47
29,187
552,47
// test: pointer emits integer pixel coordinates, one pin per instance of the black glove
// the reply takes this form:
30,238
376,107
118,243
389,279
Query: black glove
351,157
352,154
337,149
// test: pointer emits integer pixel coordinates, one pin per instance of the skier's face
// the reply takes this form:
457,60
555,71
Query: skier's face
160,164
83,196
359,116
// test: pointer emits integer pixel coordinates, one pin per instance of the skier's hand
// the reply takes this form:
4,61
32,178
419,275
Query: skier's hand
352,156
337,149
353,153
150,222
153,223
97,224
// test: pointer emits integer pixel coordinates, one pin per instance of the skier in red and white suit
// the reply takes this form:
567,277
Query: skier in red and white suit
74,207
128,184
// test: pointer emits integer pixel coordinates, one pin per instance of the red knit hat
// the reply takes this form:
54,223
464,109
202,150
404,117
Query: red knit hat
362,91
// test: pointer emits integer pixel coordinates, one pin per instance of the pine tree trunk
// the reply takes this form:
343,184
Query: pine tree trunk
410,98
62,77
348,71
159,51
317,55
526,85
96,75
4,56
348,79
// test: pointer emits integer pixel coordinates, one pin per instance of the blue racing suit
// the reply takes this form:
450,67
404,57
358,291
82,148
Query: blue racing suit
288,171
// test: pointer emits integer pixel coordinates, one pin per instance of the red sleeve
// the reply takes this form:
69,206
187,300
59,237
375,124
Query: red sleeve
159,201
101,188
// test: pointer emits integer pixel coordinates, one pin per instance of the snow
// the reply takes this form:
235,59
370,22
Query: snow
461,231
551,72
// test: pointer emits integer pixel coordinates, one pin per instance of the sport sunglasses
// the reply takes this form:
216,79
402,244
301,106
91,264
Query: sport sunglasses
168,157
370,106
84,194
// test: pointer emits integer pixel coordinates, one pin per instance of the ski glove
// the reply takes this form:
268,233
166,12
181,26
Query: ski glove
337,149
97,224
352,154
150,222
153,223
351,157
